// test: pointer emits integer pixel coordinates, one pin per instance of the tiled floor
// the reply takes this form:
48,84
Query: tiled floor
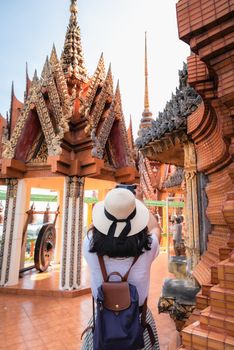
35,322
47,283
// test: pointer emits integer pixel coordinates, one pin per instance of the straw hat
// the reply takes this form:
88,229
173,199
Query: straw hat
120,214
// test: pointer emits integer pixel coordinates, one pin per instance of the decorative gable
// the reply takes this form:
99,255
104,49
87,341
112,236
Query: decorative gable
70,123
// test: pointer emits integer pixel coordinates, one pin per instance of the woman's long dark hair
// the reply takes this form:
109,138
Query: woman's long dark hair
117,247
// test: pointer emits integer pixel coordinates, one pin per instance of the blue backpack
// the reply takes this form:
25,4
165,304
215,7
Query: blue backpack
117,325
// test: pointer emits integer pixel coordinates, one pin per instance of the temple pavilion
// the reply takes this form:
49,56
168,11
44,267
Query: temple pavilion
68,134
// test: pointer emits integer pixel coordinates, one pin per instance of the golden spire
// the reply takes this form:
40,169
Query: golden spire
72,55
146,119
146,77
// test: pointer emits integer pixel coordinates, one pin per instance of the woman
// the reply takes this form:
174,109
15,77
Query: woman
173,231
178,236
119,234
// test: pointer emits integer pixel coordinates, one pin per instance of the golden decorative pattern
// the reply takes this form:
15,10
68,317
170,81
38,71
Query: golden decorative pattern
61,84
96,81
42,154
105,95
72,58
119,112
10,145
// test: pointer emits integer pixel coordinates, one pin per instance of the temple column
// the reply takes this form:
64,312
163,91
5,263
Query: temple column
70,276
59,229
12,232
27,207
192,224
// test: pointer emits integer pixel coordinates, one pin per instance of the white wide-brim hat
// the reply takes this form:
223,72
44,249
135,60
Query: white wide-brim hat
120,203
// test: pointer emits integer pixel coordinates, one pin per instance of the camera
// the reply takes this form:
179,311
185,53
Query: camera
131,188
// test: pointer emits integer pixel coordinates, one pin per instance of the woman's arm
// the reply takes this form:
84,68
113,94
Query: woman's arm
153,226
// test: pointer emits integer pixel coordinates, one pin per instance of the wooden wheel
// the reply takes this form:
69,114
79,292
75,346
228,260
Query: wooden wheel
44,248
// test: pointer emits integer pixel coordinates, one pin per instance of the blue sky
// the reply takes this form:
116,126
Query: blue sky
28,29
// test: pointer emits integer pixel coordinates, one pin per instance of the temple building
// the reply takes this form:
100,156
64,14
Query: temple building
68,131
147,180
161,183
196,133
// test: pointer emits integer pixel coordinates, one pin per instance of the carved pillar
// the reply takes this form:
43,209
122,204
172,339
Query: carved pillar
1,213
59,229
70,277
10,249
204,223
192,224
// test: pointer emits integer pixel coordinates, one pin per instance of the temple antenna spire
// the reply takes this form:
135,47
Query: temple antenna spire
146,119
146,104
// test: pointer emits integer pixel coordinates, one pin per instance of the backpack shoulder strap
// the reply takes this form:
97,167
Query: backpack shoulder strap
103,267
125,278
104,272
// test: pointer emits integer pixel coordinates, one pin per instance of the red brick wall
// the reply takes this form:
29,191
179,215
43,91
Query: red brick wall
196,16
207,26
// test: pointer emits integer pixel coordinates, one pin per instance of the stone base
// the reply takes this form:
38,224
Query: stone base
46,284
177,266
178,299
46,293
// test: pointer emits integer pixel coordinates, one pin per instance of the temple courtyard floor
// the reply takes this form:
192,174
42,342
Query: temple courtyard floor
35,322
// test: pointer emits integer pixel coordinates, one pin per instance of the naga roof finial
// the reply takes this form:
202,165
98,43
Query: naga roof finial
12,89
28,83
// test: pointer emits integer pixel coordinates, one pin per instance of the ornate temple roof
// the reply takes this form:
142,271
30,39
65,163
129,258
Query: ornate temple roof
69,123
154,175
175,179
174,117
163,141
